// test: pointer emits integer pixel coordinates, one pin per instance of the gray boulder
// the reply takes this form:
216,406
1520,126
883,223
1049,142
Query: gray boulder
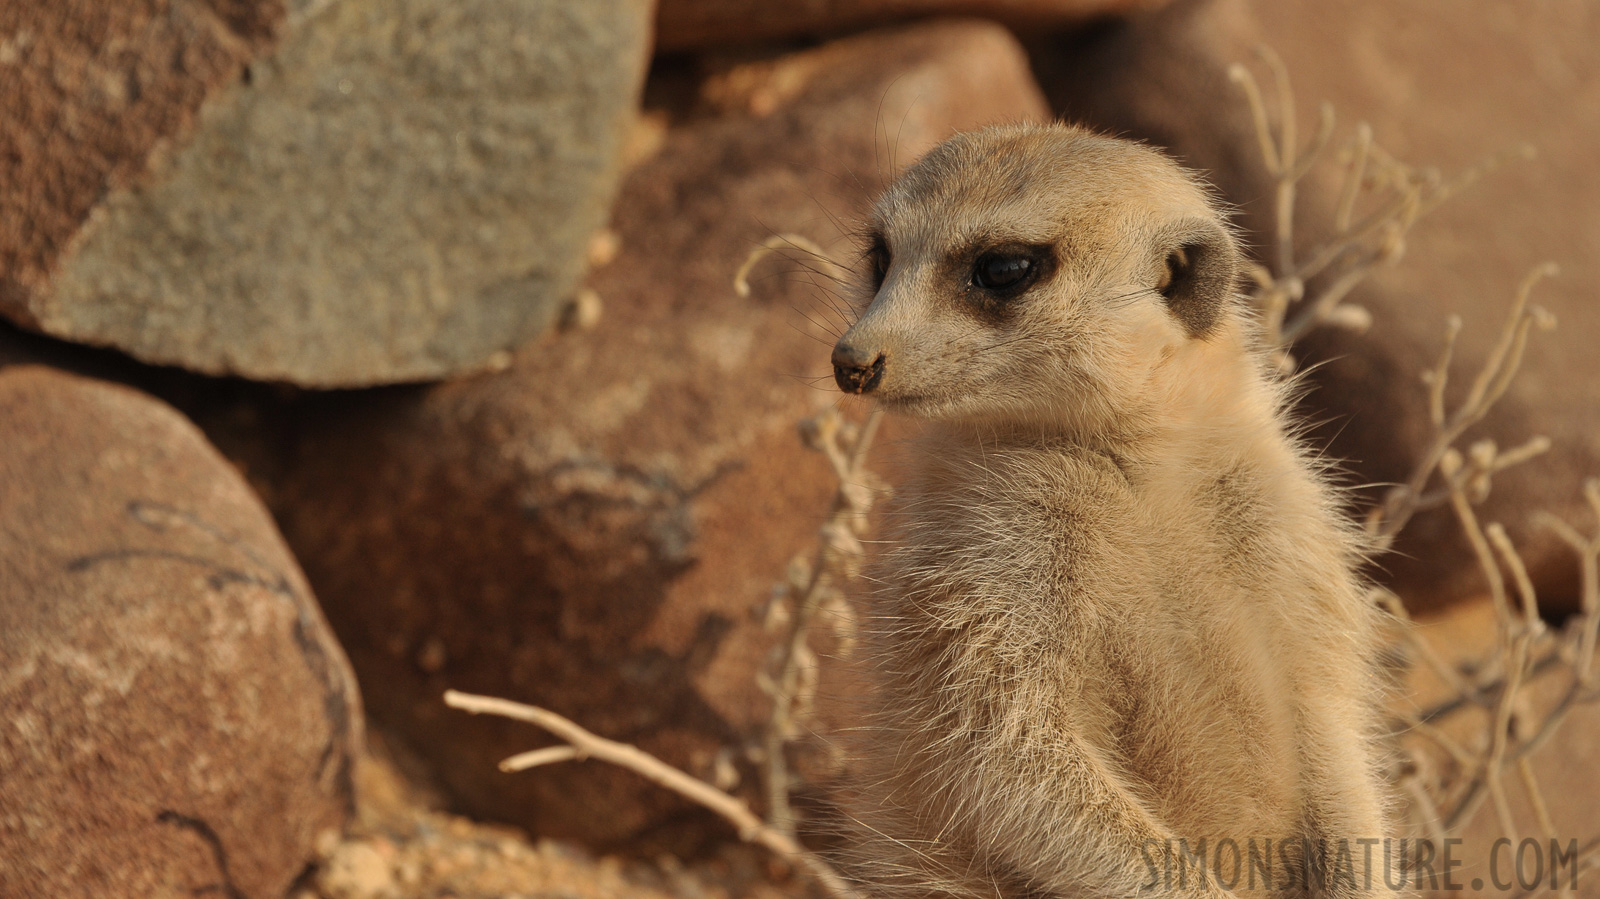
332,194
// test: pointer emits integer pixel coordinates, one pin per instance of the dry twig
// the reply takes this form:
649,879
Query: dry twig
1359,246
812,587
777,242
1484,459
1444,475
583,744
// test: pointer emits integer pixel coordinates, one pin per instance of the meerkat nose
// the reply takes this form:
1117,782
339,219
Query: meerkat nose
857,370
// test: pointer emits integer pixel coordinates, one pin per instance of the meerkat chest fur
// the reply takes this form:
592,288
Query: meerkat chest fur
1118,607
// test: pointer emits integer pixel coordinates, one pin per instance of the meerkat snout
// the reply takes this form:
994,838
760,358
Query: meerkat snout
857,370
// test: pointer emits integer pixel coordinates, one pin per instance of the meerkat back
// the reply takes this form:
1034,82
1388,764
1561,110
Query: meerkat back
1118,627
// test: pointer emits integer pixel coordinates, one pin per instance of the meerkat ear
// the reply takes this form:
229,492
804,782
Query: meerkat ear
1199,269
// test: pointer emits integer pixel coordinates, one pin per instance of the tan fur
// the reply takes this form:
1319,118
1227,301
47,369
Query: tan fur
1119,606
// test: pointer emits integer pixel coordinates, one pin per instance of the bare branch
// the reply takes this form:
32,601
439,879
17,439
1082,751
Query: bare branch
837,558
538,757
1400,195
590,745
777,242
1403,501
1379,201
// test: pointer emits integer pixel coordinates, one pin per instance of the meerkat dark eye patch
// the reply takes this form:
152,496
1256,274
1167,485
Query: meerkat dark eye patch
990,278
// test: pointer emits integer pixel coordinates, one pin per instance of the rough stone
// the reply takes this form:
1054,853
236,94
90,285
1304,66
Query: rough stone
92,90
331,194
1442,89
592,528
684,24
175,715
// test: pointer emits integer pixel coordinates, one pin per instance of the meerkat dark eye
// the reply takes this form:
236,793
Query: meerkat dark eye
1003,272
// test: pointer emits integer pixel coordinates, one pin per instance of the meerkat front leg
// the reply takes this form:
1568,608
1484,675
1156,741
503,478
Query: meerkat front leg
1343,815
1098,837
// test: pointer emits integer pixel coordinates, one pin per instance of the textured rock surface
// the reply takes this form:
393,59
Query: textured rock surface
92,90
683,24
1440,89
593,528
175,716
396,191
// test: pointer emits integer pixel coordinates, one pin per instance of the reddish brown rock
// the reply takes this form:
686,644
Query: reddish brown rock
1442,89
712,24
331,194
175,716
593,528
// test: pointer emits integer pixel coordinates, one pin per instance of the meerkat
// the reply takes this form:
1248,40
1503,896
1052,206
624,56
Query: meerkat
1120,607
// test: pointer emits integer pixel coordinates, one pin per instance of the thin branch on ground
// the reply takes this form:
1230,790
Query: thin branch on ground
791,675
584,744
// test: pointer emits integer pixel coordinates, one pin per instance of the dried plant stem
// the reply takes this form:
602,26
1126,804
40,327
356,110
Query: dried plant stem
777,242
1520,639
1358,247
1588,551
837,555
1424,650
1414,789
1458,753
1487,693
1396,196
585,744
1547,828
1519,631
1405,500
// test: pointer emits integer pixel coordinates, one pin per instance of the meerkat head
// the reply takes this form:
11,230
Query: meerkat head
1029,272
